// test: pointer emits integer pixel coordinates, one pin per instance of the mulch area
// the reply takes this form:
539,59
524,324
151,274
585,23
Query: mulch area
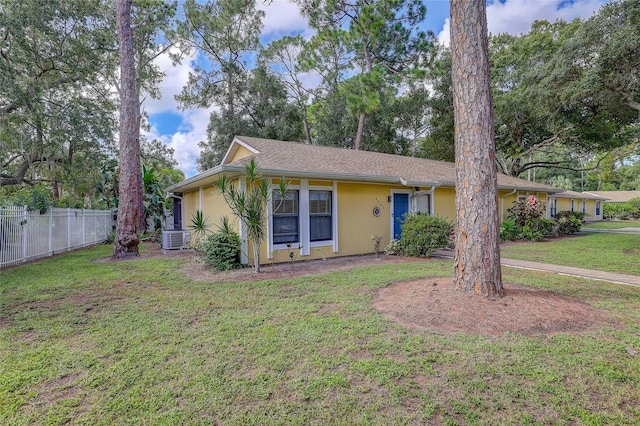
435,304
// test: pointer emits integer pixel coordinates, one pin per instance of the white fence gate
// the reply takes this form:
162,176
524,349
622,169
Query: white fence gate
27,235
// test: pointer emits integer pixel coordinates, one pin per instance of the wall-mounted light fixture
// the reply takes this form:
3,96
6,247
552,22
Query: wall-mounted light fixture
388,198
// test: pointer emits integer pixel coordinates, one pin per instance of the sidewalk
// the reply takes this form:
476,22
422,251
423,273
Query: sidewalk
557,269
613,231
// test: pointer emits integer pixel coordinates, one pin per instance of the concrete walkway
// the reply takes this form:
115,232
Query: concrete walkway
613,231
557,269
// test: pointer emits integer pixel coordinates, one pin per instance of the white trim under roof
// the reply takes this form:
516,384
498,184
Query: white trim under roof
207,173
231,151
417,183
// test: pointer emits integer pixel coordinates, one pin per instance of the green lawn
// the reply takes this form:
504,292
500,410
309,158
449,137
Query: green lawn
137,342
617,224
599,251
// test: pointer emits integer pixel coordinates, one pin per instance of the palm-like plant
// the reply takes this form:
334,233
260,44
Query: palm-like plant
153,202
200,228
250,204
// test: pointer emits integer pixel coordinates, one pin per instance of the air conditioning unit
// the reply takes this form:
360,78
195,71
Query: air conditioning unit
174,240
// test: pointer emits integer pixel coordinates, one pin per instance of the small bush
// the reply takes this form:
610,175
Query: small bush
526,212
222,248
529,232
634,207
422,234
394,248
548,227
622,211
527,222
566,213
569,225
508,230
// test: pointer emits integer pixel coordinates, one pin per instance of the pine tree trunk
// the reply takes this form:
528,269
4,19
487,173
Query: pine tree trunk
477,251
307,127
130,187
358,143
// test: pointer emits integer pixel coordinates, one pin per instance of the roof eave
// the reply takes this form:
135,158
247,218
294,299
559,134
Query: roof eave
190,183
396,180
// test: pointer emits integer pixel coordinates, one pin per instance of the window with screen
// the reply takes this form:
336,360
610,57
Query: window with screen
320,223
285,217
423,203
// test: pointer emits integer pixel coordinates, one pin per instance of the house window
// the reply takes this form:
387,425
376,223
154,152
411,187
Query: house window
573,205
597,208
584,206
553,208
285,217
423,204
320,222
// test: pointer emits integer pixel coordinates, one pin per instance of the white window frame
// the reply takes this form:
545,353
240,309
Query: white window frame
553,207
414,201
304,236
322,243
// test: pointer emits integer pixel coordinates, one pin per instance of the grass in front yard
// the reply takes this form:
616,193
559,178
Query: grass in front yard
616,224
136,342
599,251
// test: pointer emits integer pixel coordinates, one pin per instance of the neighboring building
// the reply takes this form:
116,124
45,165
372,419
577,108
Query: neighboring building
616,196
589,204
339,198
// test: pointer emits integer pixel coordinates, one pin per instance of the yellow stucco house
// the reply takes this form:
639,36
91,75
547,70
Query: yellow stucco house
589,204
338,198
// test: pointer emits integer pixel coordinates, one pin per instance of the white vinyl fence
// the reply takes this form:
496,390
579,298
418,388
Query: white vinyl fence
27,235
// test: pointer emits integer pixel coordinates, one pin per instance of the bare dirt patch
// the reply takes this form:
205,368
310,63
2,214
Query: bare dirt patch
435,304
54,391
201,272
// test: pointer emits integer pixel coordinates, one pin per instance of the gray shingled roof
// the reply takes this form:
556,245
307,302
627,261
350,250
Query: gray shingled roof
292,159
579,195
616,196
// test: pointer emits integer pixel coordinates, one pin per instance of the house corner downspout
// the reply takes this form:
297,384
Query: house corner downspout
502,203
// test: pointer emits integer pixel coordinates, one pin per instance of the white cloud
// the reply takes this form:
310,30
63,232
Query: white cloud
175,79
184,140
516,16
282,17
193,122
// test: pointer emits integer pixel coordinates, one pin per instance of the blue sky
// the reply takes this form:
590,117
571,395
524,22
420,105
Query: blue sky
183,129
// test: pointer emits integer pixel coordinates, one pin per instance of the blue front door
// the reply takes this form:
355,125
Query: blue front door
400,207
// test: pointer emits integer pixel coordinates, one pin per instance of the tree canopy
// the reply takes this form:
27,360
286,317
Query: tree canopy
566,94
60,94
